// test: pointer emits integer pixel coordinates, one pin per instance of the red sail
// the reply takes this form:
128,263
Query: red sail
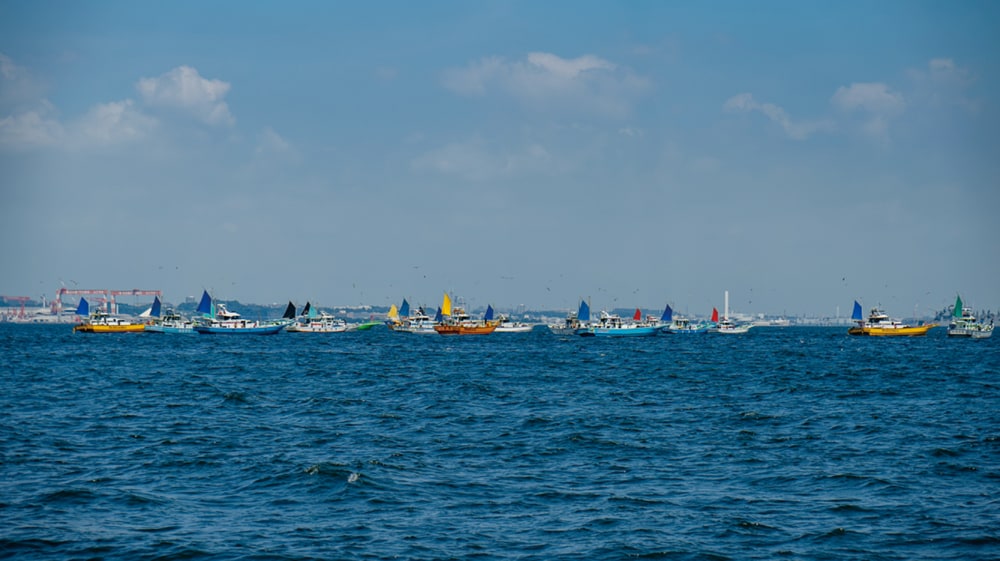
638,315
715,315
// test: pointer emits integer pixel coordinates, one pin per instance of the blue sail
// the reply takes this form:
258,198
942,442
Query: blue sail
155,312
489,313
438,317
313,314
404,309
83,308
857,315
668,315
584,313
205,306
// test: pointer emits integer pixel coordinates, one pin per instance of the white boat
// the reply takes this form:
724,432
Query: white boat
402,321
313,321
611,325
508,326
680,325
727,325
217,320
171,322
573,321
964,323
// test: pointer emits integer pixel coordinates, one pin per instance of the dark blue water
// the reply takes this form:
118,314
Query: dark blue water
794,443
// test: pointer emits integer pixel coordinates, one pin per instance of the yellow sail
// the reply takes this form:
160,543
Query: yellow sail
446,305
393,312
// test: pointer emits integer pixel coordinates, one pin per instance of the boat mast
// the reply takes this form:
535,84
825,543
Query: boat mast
726,314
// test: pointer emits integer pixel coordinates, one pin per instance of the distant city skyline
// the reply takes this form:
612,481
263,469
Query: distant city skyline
799,155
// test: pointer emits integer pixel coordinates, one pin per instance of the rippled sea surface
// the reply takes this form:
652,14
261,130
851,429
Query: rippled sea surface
785,443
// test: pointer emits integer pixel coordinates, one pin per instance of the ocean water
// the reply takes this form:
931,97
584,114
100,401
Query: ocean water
785,443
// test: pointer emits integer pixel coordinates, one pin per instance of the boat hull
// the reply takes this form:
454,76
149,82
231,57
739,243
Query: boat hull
465,329
419,330
316,328
132,328
260,330
696,331
970,333
733,330
169,329
518,329
910,331
616,331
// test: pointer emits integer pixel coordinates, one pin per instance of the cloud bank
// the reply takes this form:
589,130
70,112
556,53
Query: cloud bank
35,123
183,88
797,130
547,81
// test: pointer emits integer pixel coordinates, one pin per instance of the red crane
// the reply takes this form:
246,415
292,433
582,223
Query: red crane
22,300
133,292
76,292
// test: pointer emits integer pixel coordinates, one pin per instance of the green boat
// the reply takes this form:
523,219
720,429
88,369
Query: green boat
368,325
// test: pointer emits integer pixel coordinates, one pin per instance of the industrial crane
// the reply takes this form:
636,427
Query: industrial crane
105,296
133,292
22,300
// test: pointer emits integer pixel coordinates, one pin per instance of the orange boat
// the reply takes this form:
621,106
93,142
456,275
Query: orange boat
460,329
878,324
461,324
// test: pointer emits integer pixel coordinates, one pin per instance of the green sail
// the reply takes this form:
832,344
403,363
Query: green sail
958,307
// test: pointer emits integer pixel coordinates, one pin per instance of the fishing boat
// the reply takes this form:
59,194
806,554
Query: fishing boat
964,323
366,325
171,322
612,325
100,322
726,325
508,326
217,320
680,325
460,323
402,321
573,321
313,321
879,324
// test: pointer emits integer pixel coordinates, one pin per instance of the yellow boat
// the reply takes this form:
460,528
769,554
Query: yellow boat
879,324
101,322
110,328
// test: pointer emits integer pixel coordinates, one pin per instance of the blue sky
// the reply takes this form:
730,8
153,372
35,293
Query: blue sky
798,154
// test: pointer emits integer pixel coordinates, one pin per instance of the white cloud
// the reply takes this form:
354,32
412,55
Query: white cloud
944,83
872,97
109,123
106,123
270,142
797,130
568,68
876,101
31,129
183,88
272,148
16,83
544,80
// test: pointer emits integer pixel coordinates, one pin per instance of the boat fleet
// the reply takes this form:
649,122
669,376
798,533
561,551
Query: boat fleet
215,319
